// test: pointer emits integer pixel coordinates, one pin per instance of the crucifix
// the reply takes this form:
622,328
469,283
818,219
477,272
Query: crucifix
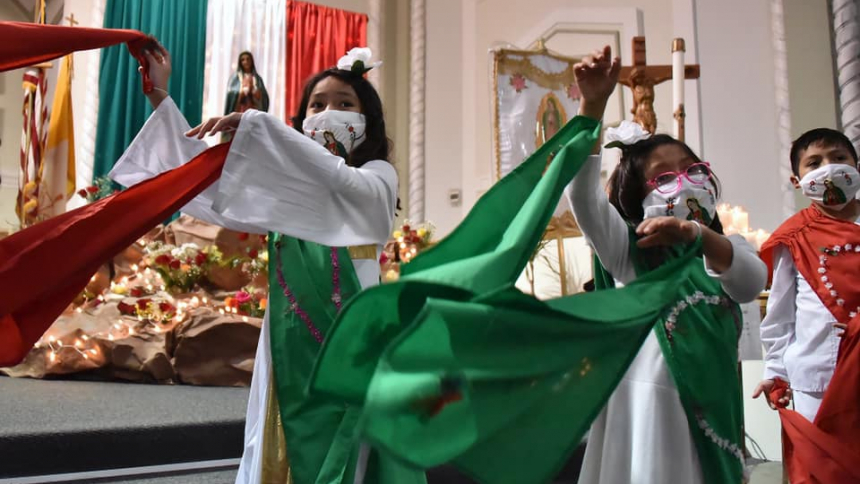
641,79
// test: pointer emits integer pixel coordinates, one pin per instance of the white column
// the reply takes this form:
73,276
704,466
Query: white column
846,26
416,112
783,107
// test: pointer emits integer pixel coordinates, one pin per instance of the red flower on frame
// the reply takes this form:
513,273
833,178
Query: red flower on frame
253,253
142,303
200,259
166,307
136,292
163,259
125,308
83,192
92,189
518,82
175,264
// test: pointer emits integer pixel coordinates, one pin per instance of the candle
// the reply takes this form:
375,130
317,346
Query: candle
678,85
741,219
760,238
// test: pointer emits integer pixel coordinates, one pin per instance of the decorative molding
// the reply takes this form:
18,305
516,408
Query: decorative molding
374,39
846,41
783,106
416,111
9,179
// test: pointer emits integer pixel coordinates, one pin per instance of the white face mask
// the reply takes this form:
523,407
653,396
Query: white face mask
691,202
338,131
831,185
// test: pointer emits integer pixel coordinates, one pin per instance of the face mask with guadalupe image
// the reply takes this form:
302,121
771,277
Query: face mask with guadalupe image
832,185
691,202
340,132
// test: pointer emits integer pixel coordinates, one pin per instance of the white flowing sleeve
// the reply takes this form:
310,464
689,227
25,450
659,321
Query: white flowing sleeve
278,178
746,277
600,222
274,179
777,328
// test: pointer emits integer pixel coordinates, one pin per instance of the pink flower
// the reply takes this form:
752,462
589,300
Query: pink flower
243,297
518,82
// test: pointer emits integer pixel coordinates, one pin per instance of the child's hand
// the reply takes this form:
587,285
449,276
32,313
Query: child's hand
596,76
841,326
159,65
764,387
665,231
216,125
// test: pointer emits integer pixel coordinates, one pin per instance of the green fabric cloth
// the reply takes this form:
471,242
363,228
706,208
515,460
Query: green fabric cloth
453,364
180,26
321,433
700,347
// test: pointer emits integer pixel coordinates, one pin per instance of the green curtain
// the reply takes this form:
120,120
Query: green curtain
180,25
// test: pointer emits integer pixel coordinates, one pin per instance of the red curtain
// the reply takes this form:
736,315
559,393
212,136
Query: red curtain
317,37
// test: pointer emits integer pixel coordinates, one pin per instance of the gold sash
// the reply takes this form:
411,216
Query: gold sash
362,252
276,461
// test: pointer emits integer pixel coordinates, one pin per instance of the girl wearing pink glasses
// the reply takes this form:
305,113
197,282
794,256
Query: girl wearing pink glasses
676,415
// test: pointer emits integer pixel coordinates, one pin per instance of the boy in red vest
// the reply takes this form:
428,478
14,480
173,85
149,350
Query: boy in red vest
815,256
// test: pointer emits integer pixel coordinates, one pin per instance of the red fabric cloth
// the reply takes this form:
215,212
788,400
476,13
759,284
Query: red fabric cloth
827,450
23,44
43,268
811,235
317,37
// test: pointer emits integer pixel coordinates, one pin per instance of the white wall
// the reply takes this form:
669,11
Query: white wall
738,105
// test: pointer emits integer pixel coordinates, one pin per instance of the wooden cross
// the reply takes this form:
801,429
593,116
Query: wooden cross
641,79
71,19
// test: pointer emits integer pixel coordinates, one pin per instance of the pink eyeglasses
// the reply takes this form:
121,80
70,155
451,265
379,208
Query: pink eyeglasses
670,181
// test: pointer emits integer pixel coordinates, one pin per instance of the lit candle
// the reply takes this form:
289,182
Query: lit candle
678,49
741,219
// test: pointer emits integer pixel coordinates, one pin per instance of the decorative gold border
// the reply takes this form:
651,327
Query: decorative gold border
501,61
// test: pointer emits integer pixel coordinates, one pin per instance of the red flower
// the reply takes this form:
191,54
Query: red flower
243,297
253,253
142,303
383,258
166,307
93,189
83,192
125,308
243,236
264,239
350,129
200,259
163,259
175,264
136,291
406,229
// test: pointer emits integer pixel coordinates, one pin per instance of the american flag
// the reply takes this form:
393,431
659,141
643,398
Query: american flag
33,138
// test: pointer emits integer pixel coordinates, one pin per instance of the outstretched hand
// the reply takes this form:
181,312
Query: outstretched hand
764,387
596,75
665,231
216,125
160,65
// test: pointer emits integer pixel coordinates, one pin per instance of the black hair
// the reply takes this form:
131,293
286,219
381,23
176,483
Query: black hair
239,62
627,187
825,137
377,145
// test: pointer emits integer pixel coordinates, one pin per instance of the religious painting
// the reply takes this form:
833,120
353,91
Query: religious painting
534,91
551,116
